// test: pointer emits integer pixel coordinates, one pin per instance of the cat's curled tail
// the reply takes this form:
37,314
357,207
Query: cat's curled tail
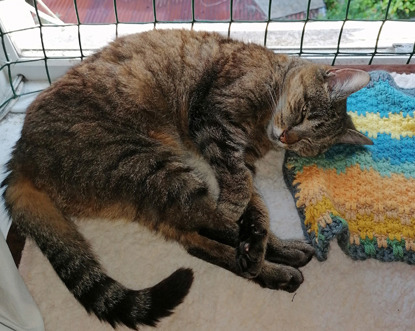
37,217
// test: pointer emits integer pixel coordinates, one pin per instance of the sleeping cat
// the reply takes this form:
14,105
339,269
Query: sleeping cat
164,128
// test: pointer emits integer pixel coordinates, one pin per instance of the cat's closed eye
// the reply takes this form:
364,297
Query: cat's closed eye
303,113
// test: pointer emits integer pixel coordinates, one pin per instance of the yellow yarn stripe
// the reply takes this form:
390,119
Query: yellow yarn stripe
358,190
362,226
396,125
361,197
315,213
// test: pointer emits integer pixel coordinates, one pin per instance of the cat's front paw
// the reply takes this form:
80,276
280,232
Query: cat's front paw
296,253
279,277
250,252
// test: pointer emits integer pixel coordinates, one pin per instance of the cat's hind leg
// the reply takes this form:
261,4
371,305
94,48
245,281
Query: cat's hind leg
245,230
248,236
178,199
273,276
253,235
222,142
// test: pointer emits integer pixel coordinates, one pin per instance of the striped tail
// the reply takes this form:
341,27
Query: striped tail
73,260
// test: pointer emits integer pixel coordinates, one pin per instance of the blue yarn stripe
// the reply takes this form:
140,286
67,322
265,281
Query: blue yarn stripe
386,157
397,151
376,95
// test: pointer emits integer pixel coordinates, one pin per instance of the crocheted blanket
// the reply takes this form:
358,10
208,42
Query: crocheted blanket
363,195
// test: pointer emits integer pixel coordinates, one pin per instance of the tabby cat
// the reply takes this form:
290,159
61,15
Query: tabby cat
164,128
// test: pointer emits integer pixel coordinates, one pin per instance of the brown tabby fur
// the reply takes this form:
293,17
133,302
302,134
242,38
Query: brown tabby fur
164,128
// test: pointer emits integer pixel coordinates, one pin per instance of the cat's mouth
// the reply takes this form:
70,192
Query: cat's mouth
289,137
289,140
284,137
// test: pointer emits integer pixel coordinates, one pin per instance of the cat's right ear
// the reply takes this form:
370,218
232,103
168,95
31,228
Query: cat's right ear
343,82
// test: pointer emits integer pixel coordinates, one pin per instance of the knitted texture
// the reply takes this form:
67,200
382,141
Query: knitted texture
363,195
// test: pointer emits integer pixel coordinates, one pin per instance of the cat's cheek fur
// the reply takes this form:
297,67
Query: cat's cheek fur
274,132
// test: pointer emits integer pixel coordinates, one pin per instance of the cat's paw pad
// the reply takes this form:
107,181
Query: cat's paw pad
251,251
280,277
293,282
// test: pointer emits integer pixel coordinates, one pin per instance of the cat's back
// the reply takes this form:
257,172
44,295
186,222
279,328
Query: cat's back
134,89
173,64
160,57
155,71
145,78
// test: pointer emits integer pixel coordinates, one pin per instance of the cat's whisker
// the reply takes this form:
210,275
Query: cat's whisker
271,92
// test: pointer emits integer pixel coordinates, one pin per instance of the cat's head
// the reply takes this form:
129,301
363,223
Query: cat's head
310,115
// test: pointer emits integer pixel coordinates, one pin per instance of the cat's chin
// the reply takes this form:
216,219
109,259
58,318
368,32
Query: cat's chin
306,152
303,152
303,147
314,154
279,145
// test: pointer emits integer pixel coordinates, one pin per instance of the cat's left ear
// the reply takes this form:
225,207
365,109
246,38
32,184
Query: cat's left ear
343,82
354,137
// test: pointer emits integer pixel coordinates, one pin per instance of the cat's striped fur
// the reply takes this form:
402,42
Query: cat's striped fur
164,128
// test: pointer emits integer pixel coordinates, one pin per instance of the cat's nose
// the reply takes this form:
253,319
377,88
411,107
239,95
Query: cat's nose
283,137
289,137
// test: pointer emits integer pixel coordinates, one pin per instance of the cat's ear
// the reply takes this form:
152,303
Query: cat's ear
354,137
343,82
